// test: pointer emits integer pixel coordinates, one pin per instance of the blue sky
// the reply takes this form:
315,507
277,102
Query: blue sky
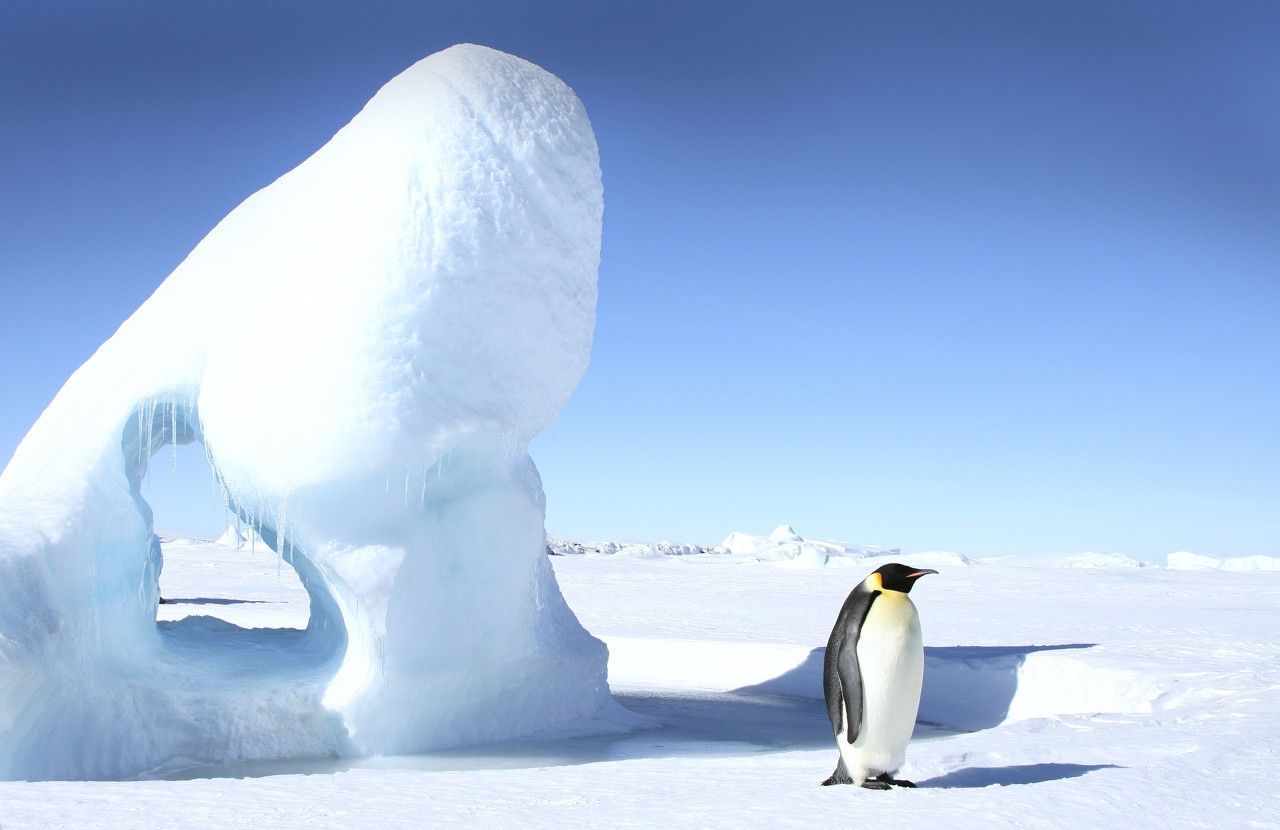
996,277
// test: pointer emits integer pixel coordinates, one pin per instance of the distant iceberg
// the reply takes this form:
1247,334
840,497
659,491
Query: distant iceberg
1185,560
784,544
241,537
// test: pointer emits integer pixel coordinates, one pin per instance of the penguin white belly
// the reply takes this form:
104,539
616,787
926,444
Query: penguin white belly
891,659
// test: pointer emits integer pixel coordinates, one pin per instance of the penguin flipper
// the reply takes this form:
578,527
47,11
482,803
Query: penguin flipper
851,688
847,668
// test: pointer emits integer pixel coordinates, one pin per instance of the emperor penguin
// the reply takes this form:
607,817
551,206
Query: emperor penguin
872,675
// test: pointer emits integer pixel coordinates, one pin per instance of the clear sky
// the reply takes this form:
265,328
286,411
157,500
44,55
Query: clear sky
998,277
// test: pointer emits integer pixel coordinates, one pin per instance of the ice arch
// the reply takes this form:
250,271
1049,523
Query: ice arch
365,348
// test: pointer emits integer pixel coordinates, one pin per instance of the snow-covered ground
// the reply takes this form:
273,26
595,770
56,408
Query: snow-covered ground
1056,696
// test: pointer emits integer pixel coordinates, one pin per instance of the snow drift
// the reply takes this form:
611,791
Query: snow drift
422,296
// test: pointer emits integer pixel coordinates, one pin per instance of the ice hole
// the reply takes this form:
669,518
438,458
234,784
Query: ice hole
204,543
215,564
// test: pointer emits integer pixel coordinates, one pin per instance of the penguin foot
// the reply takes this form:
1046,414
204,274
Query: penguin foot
875,784
840,776
897,782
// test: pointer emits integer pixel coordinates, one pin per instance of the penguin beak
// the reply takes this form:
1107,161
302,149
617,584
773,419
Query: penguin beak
920,573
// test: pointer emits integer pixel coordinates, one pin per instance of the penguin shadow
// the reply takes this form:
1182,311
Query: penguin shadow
966,688
978,777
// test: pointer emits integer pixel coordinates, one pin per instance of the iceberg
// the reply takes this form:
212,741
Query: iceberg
1185,560
406,309
786,546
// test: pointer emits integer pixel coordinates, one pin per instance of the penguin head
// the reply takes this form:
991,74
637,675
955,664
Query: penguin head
896,577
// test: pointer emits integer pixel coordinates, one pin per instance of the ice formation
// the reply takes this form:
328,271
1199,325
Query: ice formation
406,309
239,537
783,546
786,546
1184,560
558,546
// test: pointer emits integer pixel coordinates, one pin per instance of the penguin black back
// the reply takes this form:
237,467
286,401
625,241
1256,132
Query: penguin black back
841,675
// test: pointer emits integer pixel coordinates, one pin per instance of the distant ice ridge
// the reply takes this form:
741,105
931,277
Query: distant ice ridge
783,545
557,546
788,548
1187,561
421,293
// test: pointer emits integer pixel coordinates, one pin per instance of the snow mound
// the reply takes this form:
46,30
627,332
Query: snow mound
786,546
422,291
239,538
1185,560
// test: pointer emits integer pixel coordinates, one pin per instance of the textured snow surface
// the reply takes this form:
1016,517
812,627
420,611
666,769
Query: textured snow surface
421,296
1059,698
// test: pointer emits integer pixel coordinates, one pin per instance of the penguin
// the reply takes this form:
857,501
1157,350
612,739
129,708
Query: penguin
872,675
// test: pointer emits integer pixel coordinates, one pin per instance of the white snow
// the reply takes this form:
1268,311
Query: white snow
1054,698
421,295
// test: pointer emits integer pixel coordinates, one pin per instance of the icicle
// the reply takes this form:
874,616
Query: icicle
139,437
213,476
150,422
422,494
281,530
173,437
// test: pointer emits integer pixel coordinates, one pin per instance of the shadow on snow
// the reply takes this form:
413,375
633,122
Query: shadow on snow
785,713
977,777
966,688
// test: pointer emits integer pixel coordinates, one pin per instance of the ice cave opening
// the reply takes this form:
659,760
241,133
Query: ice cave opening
171,474
214,563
